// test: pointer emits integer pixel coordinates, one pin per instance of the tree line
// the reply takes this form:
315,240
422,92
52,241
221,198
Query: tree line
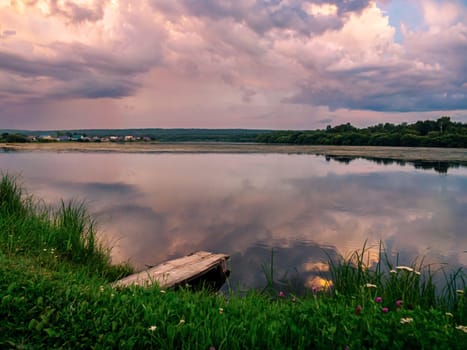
429,133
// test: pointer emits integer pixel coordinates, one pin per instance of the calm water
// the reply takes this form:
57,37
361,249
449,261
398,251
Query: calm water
152,207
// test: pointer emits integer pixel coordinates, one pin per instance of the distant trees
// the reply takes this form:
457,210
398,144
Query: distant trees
429,133
6,137
442,132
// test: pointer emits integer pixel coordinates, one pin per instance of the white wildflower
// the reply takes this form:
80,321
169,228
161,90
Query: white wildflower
182,321
152,328
392,271
408,269
163,291
449,314
462,328
221,310
370,285
405,268
459,291
405,320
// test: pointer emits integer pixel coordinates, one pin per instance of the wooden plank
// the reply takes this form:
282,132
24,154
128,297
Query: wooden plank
178,271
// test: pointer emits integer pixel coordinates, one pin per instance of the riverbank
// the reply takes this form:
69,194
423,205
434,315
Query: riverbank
395,153
55,292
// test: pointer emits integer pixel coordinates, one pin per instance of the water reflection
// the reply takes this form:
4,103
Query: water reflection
441,167
294,266
152,207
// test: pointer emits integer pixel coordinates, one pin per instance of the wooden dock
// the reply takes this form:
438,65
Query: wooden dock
197,269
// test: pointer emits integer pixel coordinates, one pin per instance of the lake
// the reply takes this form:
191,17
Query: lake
300,209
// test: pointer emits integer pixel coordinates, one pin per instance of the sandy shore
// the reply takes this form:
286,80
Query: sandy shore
399,153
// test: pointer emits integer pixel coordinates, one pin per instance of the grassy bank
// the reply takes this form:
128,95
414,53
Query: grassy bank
55,293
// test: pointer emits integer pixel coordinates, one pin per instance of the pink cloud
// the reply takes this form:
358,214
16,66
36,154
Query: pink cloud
235,63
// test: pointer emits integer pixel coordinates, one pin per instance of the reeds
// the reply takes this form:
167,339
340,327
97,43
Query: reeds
414,285
66,233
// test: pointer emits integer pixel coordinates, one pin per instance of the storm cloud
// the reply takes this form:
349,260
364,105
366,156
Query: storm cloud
269,63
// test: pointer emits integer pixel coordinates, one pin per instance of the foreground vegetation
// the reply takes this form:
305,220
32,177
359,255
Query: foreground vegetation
55,293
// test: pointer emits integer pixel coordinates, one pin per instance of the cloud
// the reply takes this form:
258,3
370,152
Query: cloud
16,64
92,89
427,72
84,69
6,33
325,121
69,77
441,13
264,60
264,16
91,10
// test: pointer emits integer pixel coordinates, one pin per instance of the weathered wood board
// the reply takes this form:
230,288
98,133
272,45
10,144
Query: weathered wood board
179,271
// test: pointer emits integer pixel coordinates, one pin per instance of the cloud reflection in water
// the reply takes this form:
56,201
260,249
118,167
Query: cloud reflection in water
152,207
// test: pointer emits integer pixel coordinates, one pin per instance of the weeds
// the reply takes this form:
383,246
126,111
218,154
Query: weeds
356,276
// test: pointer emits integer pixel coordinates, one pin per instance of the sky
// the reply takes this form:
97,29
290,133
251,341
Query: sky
267,64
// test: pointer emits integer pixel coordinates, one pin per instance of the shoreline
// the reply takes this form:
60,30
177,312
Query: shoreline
458,155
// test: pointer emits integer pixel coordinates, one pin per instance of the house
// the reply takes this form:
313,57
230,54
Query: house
46,138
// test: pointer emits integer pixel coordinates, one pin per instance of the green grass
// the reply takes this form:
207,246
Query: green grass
55,293
412,286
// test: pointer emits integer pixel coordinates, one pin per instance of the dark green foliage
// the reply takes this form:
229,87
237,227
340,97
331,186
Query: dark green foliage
12,202
14,138
42,309
440,133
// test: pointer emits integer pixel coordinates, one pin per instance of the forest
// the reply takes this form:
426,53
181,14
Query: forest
429,133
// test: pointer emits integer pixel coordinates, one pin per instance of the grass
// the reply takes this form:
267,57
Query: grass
55,293
357,277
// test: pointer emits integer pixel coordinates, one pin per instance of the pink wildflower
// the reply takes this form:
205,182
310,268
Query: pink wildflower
281,294
385,310
399,303
358,310
379,300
